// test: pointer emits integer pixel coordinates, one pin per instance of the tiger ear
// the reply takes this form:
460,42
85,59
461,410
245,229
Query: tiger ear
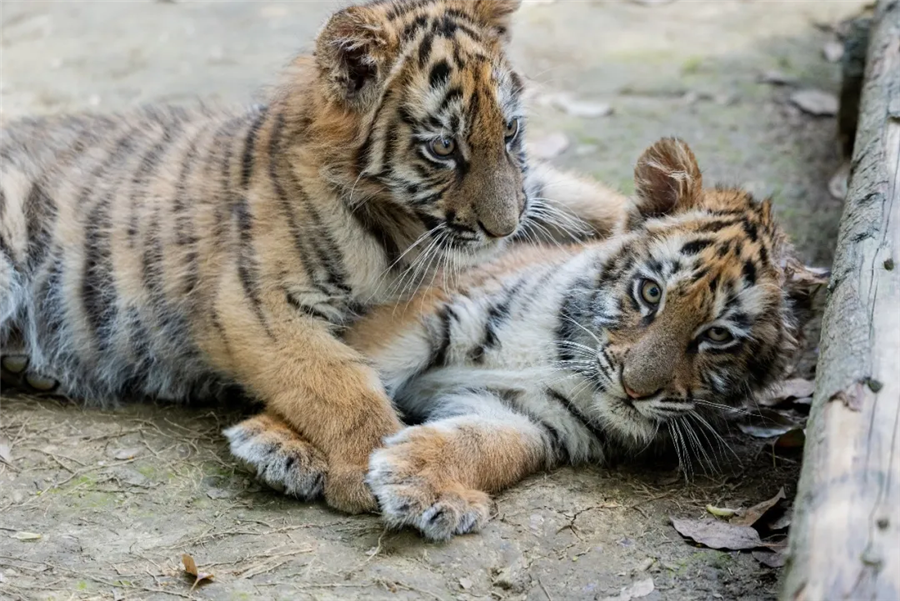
667,178
352,52
497,14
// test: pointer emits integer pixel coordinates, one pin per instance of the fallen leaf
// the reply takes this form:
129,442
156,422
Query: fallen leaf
190,566
792,439
5,451
717,534
639,589
833,51
770,559
580,108
549,146
721,512
26,536
777,78
218,493
465,584
124,454
767,423
750,516
794,388
816,102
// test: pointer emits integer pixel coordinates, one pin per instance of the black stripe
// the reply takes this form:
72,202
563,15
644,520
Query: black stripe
439,75
248,269
309,310
749,272
498,314
249,147
439,355
40,212
98,288
695,246
577,414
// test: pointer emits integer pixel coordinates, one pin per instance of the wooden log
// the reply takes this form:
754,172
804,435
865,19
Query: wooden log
845,539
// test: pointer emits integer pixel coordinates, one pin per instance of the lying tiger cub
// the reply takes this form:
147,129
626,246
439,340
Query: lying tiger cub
553,355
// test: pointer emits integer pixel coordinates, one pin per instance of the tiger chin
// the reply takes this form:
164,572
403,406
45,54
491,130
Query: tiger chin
170,252
549,356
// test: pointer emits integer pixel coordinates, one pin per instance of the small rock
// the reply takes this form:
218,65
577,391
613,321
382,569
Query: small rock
833,51
126,454
510,579
580,108
639,589
219,493
840,181
130,476
549,147
465,584
94,100
816,102
646,564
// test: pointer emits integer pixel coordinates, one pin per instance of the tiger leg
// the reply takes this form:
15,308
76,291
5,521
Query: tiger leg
325,391
281,458
571,208
436,476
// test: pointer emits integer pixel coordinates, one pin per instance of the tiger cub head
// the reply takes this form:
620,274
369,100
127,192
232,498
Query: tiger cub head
698,309
435,107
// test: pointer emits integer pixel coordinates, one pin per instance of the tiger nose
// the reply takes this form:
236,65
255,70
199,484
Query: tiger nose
637,396
501,230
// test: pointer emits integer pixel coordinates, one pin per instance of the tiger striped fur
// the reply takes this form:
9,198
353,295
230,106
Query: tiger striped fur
170,252
548,356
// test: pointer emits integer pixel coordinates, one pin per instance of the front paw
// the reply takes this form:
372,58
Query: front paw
279,457
412,490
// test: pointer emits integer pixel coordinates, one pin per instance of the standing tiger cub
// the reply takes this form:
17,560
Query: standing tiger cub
168,252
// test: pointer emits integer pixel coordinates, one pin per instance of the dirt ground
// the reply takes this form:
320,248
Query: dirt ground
117,496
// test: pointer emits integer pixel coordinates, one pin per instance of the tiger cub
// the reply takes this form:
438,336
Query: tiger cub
551,356
168,252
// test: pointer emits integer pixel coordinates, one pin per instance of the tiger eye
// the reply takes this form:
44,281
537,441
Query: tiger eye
718,335
443,147
651,292
512,129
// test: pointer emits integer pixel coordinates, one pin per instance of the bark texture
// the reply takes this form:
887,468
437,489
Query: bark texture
845,542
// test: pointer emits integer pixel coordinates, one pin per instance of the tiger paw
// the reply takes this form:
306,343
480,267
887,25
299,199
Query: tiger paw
278,457
413,491
15,373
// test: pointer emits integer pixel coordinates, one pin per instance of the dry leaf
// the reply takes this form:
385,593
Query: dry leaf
791,440
639,589
26,536
770,559
816,102
549,146
124,454
833,51
717,534
722,512
750,516
768,424
190,566
794,388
